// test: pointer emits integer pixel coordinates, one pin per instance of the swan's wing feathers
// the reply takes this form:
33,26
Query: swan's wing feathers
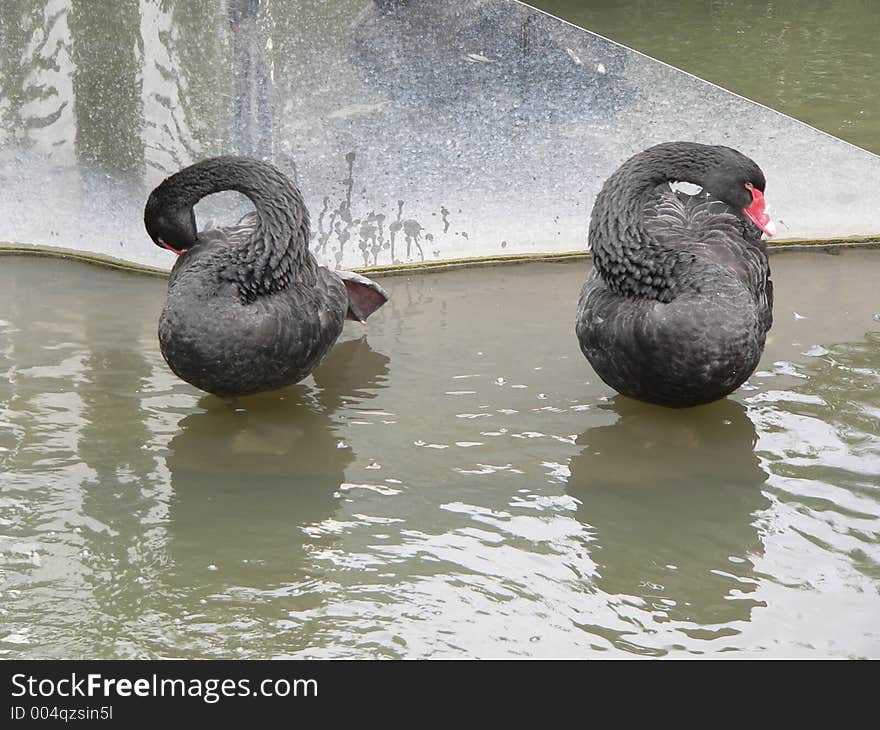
666,208
703,227
672,213
230,236
754,270
365,296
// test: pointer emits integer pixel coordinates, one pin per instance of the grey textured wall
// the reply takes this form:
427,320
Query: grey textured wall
417,129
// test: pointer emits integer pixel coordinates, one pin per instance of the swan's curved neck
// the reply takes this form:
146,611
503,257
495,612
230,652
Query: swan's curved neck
276,255
631,261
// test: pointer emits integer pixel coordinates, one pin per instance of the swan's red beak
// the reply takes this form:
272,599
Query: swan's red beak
757,211
170,248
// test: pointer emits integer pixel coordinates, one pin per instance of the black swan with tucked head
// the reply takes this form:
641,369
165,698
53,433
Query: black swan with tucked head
678,304
248,309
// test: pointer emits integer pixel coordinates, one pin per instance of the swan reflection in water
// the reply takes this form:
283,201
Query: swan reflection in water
249,475
671,498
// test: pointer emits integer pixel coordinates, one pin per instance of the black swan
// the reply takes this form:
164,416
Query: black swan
248,309
678,304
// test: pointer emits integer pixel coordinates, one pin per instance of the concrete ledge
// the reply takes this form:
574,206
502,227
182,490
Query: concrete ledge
18,249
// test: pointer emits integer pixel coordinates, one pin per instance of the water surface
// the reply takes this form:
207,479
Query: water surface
815,61
454,481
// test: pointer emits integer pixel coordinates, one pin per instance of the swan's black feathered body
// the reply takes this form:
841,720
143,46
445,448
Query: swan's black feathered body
679,302
248,307
216,341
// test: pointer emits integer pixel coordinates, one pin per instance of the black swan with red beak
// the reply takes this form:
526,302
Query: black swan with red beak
679,302
248,308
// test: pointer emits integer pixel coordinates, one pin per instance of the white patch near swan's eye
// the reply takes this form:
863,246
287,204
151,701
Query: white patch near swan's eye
685,187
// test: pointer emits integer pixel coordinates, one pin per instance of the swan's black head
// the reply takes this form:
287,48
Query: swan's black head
170,227
739,182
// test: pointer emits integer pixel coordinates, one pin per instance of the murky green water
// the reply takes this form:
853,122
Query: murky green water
816,61
454,481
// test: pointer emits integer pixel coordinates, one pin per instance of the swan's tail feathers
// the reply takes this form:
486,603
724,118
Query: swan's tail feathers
365,296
